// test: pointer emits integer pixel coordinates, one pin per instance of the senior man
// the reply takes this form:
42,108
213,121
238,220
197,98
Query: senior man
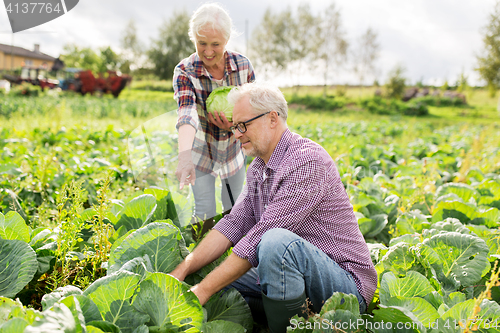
293,221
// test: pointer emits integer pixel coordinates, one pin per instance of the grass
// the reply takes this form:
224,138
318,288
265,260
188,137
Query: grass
481,110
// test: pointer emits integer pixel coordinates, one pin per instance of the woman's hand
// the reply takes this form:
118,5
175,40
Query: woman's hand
220,120
185,172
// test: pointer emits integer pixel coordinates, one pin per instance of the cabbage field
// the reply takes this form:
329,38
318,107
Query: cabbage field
90,222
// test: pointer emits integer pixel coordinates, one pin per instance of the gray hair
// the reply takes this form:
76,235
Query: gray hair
262,98
212,15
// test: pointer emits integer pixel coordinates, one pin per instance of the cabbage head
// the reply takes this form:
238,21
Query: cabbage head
217,101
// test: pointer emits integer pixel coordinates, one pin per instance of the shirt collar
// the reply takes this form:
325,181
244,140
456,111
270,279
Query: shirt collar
277,155
280,150
200,70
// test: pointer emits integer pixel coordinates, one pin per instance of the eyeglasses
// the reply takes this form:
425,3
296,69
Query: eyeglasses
242,127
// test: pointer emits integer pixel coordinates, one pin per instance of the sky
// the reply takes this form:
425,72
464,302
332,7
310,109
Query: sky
434,40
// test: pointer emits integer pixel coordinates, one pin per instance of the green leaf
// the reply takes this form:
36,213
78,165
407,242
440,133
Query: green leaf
10,169
455,298
460,311
399,259
15,309
15,325
412,285
457,258
104,326
161,242
448,225
59,318
412,222
462,211
183,208
50,299
116,206
42,238
490,236
137,213
74,305
112,295
394,314
301,325
489,187
218,326
463,191
162,201
217,101
46,260
341,301
88,307
410,239
339,321
6,306
419,307
435,299
92,329
12,226
18,265
371,226
168,303
231,306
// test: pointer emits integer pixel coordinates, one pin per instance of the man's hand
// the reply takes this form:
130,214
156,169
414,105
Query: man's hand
231,269
185,172
220,120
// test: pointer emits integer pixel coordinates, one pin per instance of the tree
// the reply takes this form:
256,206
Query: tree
462,82
332,44
270,44
85,58
133,50
365,55
110,60
489,61
396,82
172,45
303,37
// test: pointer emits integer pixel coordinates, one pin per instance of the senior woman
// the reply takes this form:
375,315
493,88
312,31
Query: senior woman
207,148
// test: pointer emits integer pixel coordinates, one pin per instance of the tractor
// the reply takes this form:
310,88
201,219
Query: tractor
37,76
84,81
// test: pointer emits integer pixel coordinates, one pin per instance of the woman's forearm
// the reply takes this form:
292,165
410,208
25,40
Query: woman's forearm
186,137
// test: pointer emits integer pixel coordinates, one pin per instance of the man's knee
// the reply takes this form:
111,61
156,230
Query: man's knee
274,243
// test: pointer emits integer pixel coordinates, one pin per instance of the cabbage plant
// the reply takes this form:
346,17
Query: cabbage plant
217,101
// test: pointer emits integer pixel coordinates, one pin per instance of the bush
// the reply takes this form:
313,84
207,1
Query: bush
151,85
26,89
415,108
379,105
319,102
396,83
440,101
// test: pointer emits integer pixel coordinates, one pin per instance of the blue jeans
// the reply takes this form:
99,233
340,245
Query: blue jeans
288,265
204,193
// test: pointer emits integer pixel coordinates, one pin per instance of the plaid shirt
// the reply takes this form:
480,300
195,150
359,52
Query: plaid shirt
215,150
300,190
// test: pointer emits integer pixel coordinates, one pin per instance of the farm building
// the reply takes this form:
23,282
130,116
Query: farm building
13,57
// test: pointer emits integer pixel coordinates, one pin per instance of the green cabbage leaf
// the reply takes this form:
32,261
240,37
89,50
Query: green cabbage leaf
217,101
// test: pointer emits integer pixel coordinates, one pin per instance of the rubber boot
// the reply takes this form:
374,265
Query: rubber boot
279,313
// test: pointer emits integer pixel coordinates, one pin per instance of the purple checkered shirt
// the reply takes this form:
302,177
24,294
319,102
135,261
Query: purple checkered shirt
300,190
215,150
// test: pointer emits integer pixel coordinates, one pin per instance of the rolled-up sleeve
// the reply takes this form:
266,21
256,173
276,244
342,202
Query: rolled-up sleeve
185,96
301,191
241,219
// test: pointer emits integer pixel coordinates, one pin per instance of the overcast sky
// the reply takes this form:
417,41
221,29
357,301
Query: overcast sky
435,40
